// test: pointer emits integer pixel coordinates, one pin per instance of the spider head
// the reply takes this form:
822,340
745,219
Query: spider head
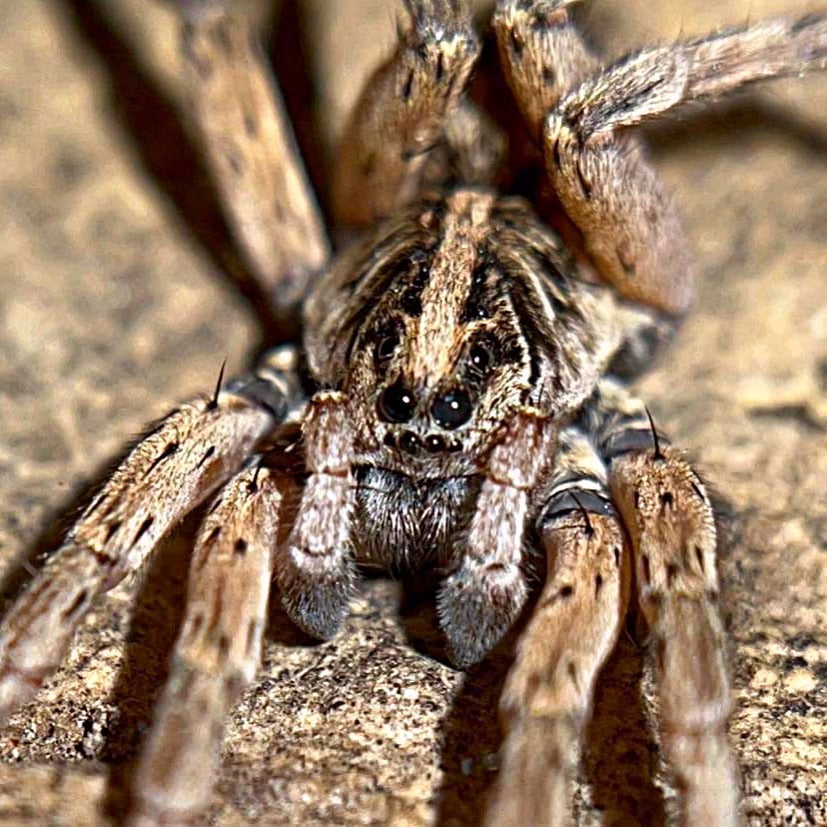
444,323
441,393
441,357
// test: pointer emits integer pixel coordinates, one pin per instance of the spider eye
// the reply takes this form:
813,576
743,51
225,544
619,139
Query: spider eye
452,409
397,403
385,347
411,303
481,357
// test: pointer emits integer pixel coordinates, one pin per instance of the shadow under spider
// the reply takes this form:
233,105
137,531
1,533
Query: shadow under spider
173,160
619,756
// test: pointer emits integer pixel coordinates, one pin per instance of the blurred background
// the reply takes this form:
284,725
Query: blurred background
118,296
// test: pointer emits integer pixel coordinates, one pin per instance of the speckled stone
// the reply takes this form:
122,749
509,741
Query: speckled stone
115,302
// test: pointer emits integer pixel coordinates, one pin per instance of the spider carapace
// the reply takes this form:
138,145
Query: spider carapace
457,400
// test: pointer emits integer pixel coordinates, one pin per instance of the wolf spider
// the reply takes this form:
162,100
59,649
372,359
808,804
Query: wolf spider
456,400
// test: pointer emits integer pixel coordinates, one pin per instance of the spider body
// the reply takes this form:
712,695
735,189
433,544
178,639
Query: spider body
439,330
438,342
465,407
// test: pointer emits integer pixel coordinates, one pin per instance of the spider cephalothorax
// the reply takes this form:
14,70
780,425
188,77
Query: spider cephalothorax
463,406
441,333
446,321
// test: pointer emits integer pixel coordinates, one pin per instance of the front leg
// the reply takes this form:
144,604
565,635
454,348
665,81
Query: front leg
547,698
217,652
481,599
314,570
669,518
165,476
671,527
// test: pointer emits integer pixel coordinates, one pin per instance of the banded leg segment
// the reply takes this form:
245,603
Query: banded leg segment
315,571
253,156
630,228
195,449
667,513
542,55
480,600
548,694
402,113
217,652
651,82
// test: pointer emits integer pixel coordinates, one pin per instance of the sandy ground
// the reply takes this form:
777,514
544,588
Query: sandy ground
115,302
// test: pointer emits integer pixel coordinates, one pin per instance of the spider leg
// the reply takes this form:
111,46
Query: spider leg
191,452
547,698
314,569
238,111
630,227
542,55
651,82
482,597
667,513
402,113
217,652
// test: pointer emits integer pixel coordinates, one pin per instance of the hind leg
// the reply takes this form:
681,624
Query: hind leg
237,109
402,115
576,110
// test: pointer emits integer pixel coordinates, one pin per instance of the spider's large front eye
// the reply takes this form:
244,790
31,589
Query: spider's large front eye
397,403
452,409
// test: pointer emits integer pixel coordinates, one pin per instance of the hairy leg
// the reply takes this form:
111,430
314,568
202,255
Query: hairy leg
667,513
191,452
217,652
542,55
314,570
548,695
574,107
630,228
480,600
402,113
651,82
238,111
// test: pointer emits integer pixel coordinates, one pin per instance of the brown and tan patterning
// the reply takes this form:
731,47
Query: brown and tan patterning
455,402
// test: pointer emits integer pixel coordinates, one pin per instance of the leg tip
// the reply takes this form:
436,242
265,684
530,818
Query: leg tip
477,606
316,601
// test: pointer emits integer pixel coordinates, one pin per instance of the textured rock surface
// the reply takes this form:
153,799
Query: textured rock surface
114,302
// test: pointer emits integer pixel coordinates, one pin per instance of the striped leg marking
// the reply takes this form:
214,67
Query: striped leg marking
170,472
403,111
217,652
548,694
